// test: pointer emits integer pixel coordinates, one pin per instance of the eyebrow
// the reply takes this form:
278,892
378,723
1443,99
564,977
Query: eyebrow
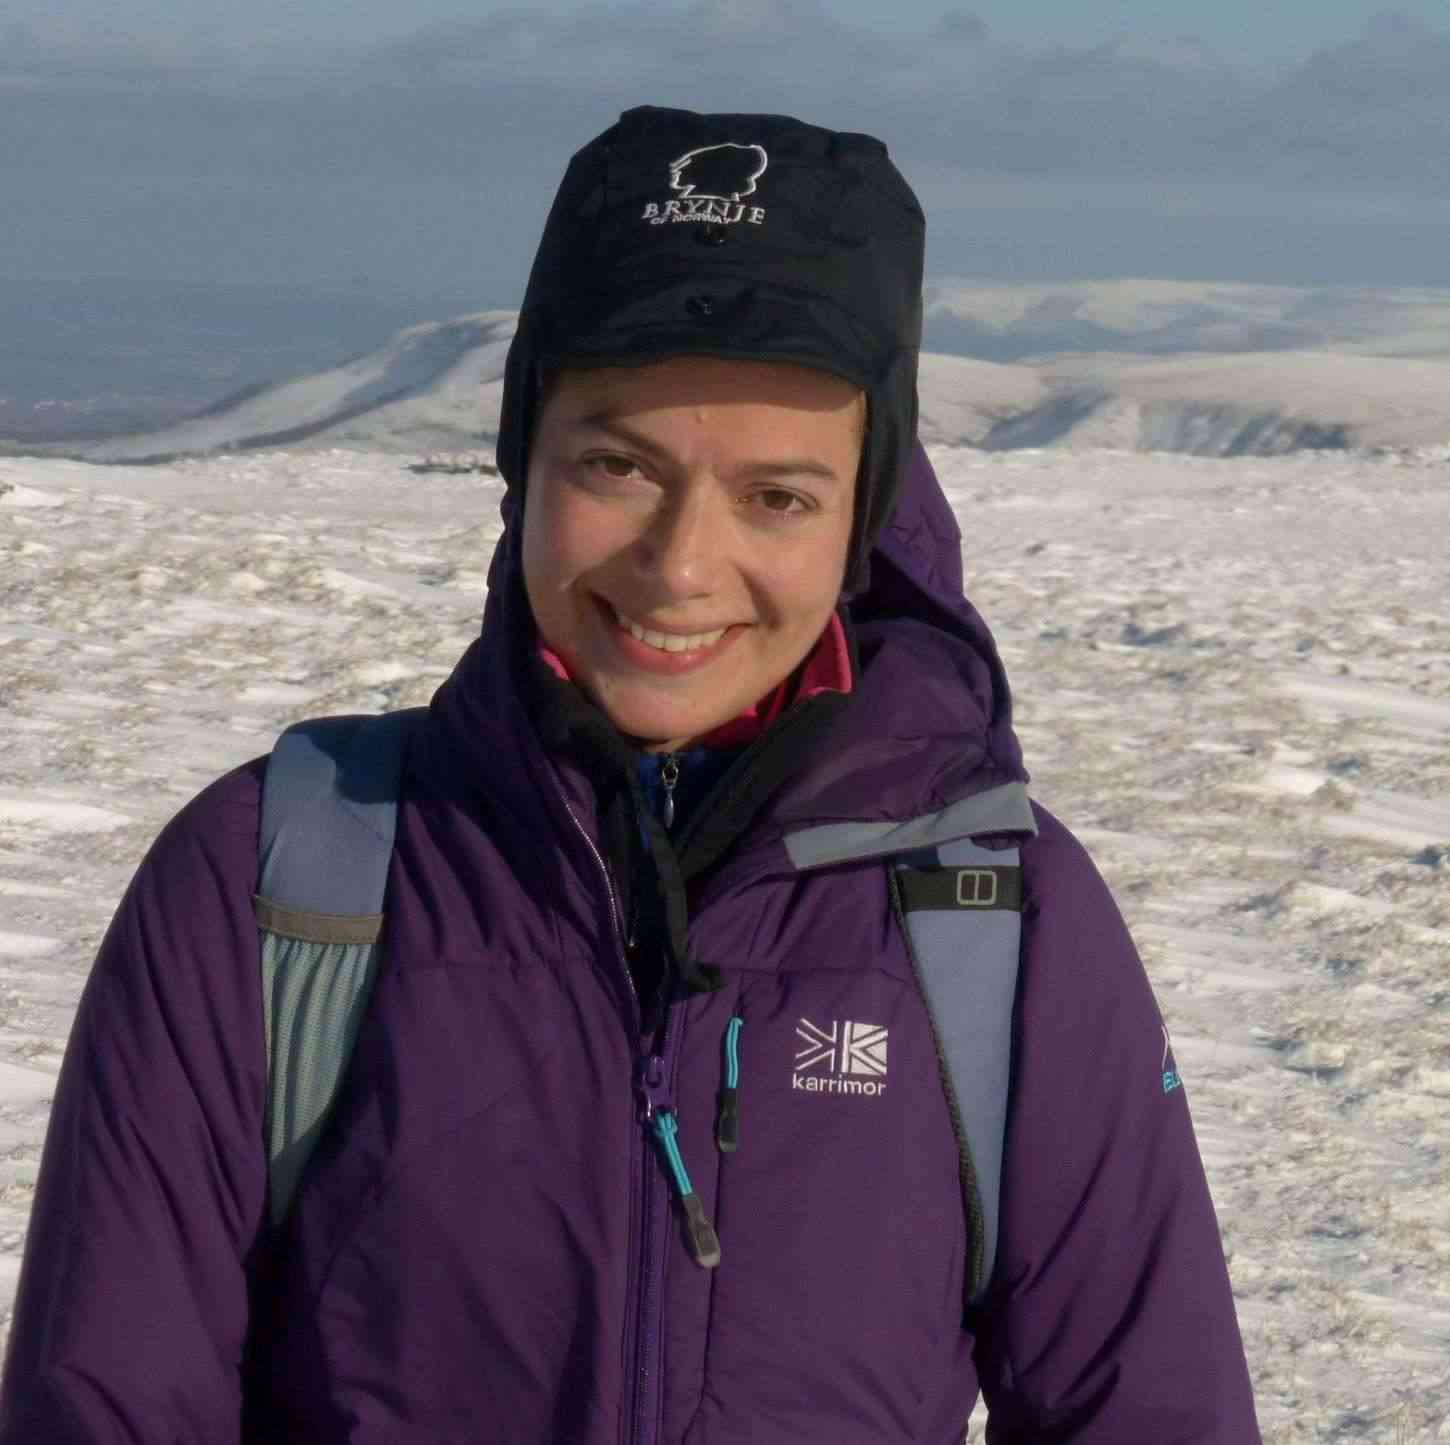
606,421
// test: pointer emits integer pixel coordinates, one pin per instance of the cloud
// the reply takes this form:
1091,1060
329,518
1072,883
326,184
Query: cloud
959,27
1374,111
731,54
486,114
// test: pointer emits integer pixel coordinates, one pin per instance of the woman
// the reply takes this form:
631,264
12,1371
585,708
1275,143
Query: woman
645,1136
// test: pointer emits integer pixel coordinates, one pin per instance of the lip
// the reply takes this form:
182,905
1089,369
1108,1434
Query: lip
650,659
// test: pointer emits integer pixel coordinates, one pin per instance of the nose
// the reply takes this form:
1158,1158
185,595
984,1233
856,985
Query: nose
679,552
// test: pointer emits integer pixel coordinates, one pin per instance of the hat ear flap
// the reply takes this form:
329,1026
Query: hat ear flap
891,416
523,394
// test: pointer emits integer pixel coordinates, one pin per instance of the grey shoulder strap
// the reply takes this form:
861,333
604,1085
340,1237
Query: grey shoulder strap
961,905
329,807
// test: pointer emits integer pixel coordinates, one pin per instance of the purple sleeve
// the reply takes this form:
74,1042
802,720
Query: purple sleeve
1112,1318
132,1303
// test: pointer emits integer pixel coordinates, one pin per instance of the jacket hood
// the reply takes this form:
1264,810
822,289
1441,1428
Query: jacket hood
922,547
931,716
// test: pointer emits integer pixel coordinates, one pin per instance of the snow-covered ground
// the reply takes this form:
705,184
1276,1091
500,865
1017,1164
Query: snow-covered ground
1232,681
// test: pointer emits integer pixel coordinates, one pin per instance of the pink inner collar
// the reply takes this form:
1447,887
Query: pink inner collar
826,669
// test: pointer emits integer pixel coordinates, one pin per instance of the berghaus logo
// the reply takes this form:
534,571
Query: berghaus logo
1171,1079
846,1058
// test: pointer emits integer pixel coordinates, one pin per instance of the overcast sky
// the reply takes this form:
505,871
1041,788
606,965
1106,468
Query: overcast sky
414,148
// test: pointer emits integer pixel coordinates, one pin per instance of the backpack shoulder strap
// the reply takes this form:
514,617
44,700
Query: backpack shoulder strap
329,808
961,908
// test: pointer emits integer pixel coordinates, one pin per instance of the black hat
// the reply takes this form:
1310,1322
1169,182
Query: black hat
755,237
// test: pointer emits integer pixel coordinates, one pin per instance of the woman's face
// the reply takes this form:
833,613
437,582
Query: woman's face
685,532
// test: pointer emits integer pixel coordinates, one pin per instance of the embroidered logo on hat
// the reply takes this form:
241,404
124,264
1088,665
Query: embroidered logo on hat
711,181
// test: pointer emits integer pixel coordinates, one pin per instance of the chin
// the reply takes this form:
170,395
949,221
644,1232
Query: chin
652,732
653,726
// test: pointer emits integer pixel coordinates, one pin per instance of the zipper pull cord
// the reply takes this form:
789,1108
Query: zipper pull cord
727,1124
704,1242
669,777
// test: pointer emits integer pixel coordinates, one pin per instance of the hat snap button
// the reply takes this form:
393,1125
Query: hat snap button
700,306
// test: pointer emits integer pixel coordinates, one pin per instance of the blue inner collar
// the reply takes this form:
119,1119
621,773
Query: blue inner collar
700,769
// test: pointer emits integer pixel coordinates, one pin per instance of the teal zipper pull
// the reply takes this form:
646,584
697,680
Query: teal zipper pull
727,1123
704,1242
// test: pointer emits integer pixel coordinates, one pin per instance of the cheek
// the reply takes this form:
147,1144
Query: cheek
827,569
805,586
547,572
538,560
556,541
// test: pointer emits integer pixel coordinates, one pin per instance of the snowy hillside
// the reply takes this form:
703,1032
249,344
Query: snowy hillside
1232,680
1264,403
1016,321
1211,370
1208,368
438,387
434,387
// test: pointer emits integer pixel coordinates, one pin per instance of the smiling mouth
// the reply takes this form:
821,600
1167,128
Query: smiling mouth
665,641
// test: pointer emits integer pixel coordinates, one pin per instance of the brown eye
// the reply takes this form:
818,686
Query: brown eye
781,502
616,466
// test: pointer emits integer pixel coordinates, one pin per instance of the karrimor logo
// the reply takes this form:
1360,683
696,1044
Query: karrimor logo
847,1058
712,183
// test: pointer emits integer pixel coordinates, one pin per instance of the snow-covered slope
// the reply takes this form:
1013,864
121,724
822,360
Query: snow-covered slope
435,386
1259,403
1144,366
1231,679
438,387
1013,322
964,400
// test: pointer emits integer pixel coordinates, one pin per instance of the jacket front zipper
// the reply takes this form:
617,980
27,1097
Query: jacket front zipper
654,1087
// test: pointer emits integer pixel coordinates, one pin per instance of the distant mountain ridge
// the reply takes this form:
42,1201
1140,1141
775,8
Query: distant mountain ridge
1036,321
438,387
1209,369
87,358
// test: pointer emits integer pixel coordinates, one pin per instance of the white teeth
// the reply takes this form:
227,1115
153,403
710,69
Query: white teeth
669,641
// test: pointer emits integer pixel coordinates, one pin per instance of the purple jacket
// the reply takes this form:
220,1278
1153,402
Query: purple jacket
485,1247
